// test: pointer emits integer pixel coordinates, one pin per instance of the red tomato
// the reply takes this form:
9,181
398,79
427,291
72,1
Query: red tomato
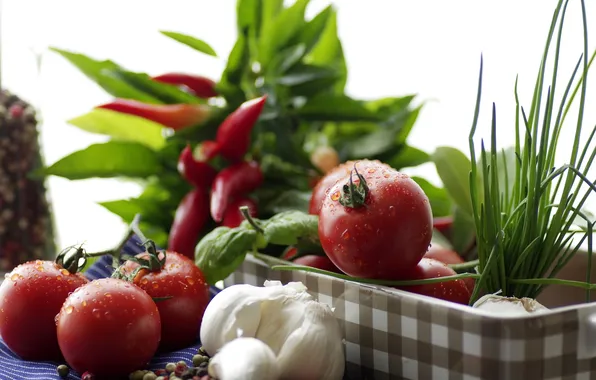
453,291
449,257
340,172
382,238
108,327
316,261
233,217
30,298
443,224
182,280
289,253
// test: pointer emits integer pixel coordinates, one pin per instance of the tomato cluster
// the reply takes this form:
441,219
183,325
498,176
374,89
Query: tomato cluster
377,223
108,327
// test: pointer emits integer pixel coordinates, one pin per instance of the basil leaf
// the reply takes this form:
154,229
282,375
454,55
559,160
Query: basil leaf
107,160
124,208
408,157
121,126
191,42
329,107
290,227
221,251
462,231
390,106
277,34
313,30
99,72
290,200
166,93
309,80
440,201
454,168
286,59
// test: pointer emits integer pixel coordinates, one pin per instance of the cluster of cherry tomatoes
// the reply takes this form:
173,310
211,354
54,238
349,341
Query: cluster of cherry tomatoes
377,223
50,313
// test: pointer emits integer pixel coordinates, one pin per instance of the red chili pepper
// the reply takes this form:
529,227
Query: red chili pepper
191,216
200,86
197,173
206,151
175,116
233,217
233,182
233,134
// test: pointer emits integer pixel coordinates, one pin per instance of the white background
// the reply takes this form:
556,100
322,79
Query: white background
428,47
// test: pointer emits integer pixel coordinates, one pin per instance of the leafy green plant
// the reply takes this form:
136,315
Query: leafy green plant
299,64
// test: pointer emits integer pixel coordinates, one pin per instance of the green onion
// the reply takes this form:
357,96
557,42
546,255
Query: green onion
528,230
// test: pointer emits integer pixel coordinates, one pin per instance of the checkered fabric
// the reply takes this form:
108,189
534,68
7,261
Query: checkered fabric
391,334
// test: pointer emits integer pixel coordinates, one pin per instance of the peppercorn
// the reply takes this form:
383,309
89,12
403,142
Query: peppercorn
26,228
63,370
198,359
149,376
202,351
137,375
170,367
161,378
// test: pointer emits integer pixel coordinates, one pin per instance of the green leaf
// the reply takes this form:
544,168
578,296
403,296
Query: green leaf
454,168
309,80
283,27
221,251
313,30
166,93
409,157
248,14
100,73
463,230
122,126
328,47
390,105
290,200
329,107
238,60
191,41
440,201
107,160
269,11
290,227
124,208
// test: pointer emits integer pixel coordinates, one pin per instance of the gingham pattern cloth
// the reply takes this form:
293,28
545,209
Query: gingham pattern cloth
13,368
391,334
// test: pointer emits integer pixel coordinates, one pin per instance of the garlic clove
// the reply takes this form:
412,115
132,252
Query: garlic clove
318,342
508,306
233,312
244,359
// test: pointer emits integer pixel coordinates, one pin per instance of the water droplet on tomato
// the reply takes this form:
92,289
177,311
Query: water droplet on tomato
134,311
64,272
129,326
190,280
144,281
84,303
69,309
15,277
108,315
96,313
335,196
345,235
107,295
155,285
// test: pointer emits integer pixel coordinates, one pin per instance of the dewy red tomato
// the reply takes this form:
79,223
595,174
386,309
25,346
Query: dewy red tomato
379,226
449,257
30,298
180,279
108,327
453,291
340,172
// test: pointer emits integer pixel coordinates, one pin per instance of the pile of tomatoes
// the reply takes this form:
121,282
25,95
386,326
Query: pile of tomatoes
377,223
50,313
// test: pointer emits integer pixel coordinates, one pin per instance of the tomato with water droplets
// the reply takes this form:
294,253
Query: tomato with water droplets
338,173
375,223
454,290
449,257
108,327
30,298
180,279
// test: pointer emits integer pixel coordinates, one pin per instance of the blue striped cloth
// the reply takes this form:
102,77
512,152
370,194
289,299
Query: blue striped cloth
13,368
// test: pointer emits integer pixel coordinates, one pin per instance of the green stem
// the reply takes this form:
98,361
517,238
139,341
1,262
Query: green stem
375,281
246,214
464,266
